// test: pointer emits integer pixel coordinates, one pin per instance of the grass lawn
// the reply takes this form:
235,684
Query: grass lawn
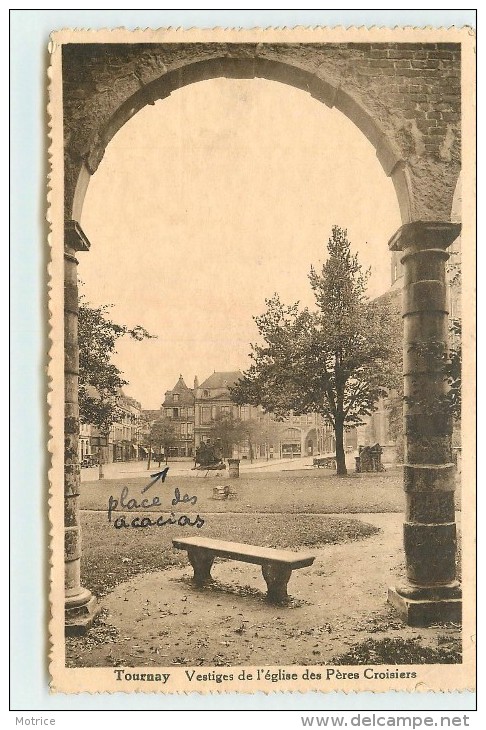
277,507
319,492
111,556
299,492
395,651
293,510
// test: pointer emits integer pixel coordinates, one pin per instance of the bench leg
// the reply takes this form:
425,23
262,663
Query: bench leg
276,577
202,562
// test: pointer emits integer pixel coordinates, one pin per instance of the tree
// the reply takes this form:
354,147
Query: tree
100,381
163,435
453,369
270,434
227,432
336,360
254,433
145,437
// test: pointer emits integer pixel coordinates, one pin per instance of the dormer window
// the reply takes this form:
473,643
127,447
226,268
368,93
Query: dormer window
206,393
176,397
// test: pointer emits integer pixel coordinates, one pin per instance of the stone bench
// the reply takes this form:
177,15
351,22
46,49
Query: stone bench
277,565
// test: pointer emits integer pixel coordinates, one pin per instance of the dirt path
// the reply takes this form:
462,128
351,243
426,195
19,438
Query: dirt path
162,619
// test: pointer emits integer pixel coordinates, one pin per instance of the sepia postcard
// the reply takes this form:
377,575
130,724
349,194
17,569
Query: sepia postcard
262,360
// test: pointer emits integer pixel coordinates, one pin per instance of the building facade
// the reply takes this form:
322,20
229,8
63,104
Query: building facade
178,406
294,437
124,439
213,400
84,444
376,427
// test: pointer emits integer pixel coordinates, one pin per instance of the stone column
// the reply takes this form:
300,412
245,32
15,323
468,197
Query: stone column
80,604
432,592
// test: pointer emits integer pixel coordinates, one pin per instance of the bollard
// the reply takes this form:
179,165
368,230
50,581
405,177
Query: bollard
234,468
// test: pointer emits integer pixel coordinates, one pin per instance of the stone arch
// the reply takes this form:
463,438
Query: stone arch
418,147
320,86
311,442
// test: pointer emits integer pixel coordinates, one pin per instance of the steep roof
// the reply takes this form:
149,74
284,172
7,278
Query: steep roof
222,380
186,396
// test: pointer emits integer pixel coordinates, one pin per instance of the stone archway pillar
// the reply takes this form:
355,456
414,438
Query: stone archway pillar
80,604
432,592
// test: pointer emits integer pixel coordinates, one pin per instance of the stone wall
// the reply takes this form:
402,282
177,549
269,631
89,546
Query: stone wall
405,97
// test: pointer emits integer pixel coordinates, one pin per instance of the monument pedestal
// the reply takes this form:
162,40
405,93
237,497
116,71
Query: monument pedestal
80,611
429,606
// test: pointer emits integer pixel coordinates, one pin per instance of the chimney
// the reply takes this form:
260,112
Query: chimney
196,382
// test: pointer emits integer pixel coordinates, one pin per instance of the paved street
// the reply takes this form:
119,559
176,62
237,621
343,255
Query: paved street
182,467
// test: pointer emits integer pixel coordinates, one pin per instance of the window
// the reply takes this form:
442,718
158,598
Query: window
206,414
206,393
309,418
176,397
183,412
183,429
245,413
291,434
168,412
225,410
175,412
190,429
190,411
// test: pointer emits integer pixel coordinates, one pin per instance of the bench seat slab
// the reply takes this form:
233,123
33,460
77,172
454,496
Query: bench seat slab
244,552
277,565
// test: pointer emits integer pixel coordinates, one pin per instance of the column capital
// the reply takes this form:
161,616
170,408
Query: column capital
75,237
425,234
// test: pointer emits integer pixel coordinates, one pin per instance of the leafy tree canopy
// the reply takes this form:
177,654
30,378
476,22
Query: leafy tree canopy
227,432
162,433
337,359
100,381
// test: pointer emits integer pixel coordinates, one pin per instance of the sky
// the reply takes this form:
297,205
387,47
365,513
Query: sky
212,200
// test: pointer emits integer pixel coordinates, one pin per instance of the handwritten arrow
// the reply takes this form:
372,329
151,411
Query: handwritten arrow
158,475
